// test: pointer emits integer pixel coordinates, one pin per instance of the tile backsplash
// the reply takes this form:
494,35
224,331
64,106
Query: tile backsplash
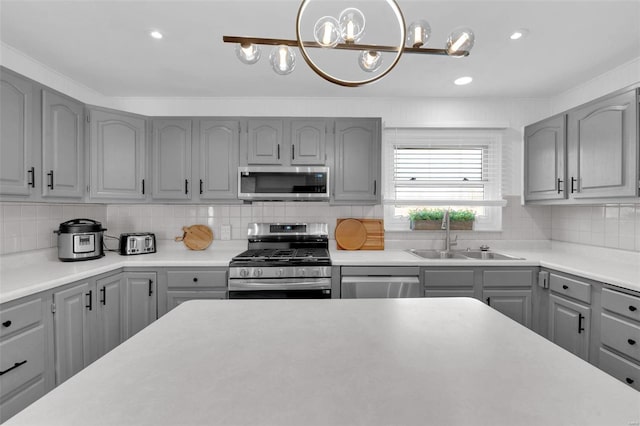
28,226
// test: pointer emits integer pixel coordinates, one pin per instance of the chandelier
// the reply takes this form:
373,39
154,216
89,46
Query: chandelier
333,35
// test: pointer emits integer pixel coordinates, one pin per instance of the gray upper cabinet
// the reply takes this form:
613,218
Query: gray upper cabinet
62,146
171,159
17,168
117,143
545,161
603,148
219,145
356,174
308,142
265,143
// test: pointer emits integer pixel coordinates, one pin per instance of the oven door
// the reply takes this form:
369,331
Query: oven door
283,183
280,288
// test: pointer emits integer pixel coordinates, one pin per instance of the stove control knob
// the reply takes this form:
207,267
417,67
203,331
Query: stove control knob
316,272
257,272
280,272
303,272
244,273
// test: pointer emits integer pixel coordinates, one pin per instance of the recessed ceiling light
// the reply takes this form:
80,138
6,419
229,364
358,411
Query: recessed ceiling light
518,34
156,34
462,81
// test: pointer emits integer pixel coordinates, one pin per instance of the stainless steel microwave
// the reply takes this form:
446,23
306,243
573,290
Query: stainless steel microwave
283,183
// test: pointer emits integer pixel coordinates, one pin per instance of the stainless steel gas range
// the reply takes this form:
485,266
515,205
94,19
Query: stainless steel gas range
283,261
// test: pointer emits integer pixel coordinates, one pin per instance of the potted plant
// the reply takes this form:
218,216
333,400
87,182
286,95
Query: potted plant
431,219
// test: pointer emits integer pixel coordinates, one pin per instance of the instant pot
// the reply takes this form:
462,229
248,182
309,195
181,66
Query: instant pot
80,239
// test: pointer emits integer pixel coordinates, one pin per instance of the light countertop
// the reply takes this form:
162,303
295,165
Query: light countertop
337,362
27,273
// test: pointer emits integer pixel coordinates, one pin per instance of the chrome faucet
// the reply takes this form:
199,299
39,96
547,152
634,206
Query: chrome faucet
446,225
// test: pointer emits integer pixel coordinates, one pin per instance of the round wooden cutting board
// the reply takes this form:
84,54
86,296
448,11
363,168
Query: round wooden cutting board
196,237
351,234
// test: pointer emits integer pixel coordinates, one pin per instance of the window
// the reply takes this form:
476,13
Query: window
442,168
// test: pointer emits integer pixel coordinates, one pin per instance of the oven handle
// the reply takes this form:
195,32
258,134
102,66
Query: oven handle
247,285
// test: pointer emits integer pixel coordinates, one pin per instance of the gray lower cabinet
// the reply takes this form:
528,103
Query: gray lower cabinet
602,139
357,164
455,282
23,353
117,144
62,146
110,313
141,301
570,325
545,159
171,159
619,352
17,135
219,146
193,284
509,292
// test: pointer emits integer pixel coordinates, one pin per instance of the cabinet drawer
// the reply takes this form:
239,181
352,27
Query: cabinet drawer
448,278
621,335
20,316
174,298
620,368
22,359
21,400
507,278
576,289
197,278
622,304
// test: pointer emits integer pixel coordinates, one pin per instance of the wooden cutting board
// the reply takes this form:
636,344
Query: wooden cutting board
196,237
374,239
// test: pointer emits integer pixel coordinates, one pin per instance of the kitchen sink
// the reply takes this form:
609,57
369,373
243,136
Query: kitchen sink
461,254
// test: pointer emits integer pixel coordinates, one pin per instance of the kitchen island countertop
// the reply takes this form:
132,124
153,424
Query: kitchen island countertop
337,362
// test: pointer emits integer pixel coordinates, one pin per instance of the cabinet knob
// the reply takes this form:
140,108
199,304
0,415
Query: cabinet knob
564,286
631,342
632,308
195,279
6,324
629,380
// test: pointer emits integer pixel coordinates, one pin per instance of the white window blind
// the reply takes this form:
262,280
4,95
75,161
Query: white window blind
430,168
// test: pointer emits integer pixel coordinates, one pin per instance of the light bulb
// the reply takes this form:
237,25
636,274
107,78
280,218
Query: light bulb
370,60
352,24
460,42
326,31
248,53
283,60
418,33
462,81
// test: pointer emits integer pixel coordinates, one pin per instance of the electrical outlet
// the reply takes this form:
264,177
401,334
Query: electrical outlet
225,231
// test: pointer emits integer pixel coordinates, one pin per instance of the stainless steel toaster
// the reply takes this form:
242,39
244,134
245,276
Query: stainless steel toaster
137,243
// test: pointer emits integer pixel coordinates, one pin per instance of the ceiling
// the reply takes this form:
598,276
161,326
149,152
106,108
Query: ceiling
105,45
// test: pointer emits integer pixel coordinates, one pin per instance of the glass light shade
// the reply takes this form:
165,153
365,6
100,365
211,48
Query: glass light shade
351,25
418,33
283,60
248,53
327,31
370,60
460,42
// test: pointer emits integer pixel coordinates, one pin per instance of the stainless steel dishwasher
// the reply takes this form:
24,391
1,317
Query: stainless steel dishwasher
380,282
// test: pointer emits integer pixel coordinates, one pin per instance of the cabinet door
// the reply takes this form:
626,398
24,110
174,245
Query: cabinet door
110,313
219,144
118,148
265,142
16,166
603,148
357,160
176,297
308,141
569,325
516,304
74,321
62,146
544,163
140,301
171,157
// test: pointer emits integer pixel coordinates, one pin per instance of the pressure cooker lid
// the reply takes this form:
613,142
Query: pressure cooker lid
80,225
